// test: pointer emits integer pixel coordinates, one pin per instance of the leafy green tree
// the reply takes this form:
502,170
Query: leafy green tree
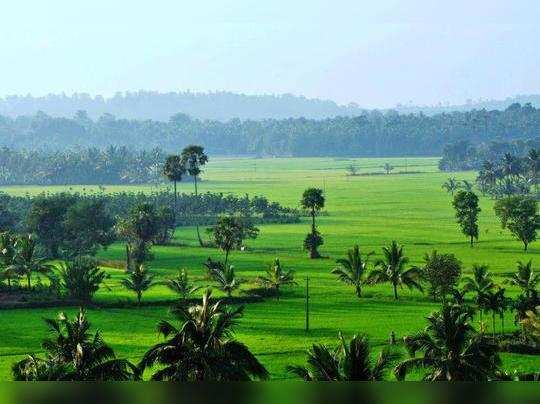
174,169
442,273
480,284
230,232
138,281
392,268
46,221
88,226
276,277
202,348
451,185
74,354
451,349
81,278
519,214
387,168
467,209
353,269
8,254
350,361
181,285
193,159
8,219
313,201
27,260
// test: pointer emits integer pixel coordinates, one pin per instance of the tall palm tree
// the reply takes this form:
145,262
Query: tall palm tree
276,277
533,161
392,268
480,284
451,185
174,169
193,159
27,262
496,303
74,354
525,278
352,270
138,281
313,201
181,285
202,348
350,361
451,349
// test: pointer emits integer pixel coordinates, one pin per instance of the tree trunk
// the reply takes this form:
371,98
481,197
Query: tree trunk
471,241
493,324
28,279
313,253
128,258
395,291
226,258
175,203
525,245
139,296
358,291
197,222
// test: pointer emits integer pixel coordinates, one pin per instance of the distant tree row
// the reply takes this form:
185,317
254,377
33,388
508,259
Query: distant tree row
367,134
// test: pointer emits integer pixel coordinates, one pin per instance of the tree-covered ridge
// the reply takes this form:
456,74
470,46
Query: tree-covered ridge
368,134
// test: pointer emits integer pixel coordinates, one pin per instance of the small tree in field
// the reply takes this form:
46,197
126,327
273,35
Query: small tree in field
138,281
81,278
230,232
276,277
442,273
466,205
519,214
353,269
313,201
451,185
387,168
181,285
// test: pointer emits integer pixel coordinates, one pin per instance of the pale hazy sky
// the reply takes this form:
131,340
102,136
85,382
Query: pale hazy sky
375,53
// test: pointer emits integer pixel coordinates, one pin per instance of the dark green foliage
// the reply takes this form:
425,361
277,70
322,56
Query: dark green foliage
481,285
276,277
230,232
74,354
225,277
466,205
349,361
527,281
441,272
181,285
8,219
8,254
81,278
519,214
202,348
28,260
451,349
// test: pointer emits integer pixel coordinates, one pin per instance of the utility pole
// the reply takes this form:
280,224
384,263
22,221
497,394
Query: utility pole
307,304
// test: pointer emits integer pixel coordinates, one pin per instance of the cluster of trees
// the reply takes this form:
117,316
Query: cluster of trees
367,134
111,165
464,155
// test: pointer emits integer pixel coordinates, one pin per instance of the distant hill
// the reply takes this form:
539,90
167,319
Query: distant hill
220,106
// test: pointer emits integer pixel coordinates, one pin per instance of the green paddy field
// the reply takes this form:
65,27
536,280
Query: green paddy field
369,209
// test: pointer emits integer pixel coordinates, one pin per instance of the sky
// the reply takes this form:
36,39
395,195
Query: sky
373,53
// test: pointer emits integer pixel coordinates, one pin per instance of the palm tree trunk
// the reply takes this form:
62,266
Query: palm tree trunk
197,223
471,240
226,257
175,202
139,296
395,291
358,291
525,245
28,275
493,324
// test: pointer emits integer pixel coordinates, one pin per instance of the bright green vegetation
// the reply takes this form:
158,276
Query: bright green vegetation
370,210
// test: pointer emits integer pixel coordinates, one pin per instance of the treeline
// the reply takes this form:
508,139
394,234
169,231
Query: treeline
464,155
112,165
368,134
16,212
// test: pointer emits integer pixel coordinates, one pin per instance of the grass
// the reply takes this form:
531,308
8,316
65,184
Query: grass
371,210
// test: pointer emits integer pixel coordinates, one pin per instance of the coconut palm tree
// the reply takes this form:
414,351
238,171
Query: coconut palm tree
350,361
27,261
496,303
181,285
276,277
392,268
525,278
352,270
193,159
138,281
480,284
451,185
202,347
226,279
451,349
74,354
174,169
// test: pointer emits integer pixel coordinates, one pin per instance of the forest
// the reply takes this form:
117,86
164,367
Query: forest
368,134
